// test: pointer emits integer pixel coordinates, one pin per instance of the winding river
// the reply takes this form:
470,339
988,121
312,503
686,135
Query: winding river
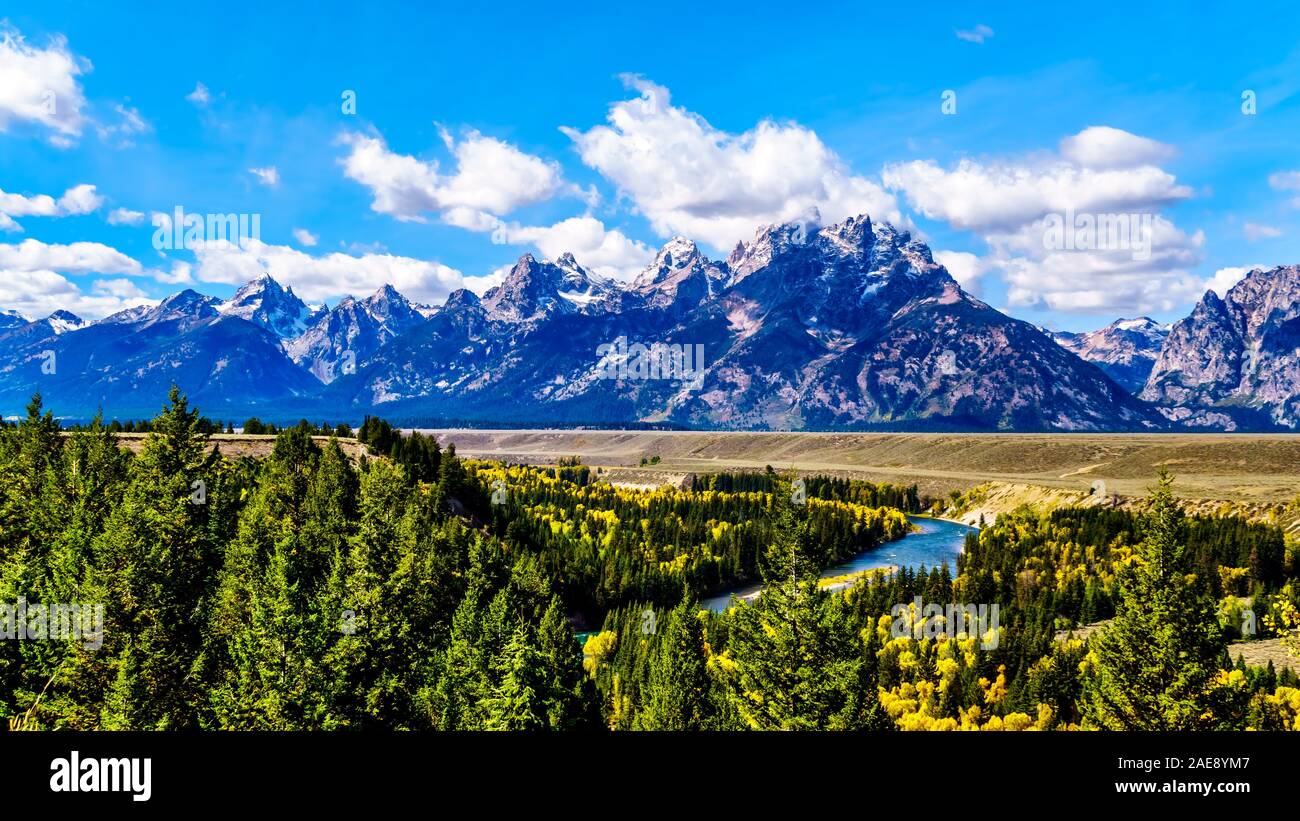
935,542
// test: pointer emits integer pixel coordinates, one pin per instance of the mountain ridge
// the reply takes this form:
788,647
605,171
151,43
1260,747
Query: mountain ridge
852,326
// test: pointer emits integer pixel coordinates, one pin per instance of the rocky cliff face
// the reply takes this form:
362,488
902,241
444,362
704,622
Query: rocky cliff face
264,302
352,331
1235,356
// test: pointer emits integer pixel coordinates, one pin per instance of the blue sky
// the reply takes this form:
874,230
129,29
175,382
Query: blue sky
604,130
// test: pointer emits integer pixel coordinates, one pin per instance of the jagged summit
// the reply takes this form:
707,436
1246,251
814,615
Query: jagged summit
1236,351
534,290
845,326
265,302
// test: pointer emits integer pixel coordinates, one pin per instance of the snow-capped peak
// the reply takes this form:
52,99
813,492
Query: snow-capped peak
533,289
62,321
1141,324
265,302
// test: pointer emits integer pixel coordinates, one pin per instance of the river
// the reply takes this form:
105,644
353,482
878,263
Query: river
937,541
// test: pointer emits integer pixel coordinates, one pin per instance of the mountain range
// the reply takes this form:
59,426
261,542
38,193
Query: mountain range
851,326
1126,349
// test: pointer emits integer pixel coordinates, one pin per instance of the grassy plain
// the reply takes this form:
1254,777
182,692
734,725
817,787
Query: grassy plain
1244,468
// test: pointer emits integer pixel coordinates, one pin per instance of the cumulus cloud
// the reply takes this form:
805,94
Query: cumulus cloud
1075,230
267,176
1101,146
304,237
605,251
40,86
120,288
965,267
482,284
76,258
41,293
35,285
332,275
687,177
1225,278
978,34
80,199
1001,196
491,178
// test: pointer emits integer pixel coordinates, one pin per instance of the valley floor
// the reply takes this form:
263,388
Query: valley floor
1259,469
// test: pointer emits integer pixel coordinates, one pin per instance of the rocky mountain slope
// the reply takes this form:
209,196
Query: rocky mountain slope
1126,349
353,330
848,326
1235,358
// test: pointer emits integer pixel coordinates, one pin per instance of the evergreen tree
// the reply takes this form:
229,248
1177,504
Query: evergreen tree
568,687
1157,662
797,666
679,697
156,570
518,702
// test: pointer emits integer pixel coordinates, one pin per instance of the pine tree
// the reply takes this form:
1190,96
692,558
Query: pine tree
679,697
798,666
34,516
563,663
518,702
1156,663
158,569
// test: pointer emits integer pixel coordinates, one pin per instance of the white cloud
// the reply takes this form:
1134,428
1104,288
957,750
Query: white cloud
965,267
1002,196
80,199
268,176
1101,146
328,276
200,96
1255,231
35,285
182,273
607,252
978,34
42,292
1098,173
1286,181
690,178
491,176
75,258
125,216
40,86
1225,278
122,133
120,288
482,284
1104,282
305,237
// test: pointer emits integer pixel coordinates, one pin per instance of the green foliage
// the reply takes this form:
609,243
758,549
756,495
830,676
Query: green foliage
1156,664
313,590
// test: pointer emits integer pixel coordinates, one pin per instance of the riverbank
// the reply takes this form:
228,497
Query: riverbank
932,543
